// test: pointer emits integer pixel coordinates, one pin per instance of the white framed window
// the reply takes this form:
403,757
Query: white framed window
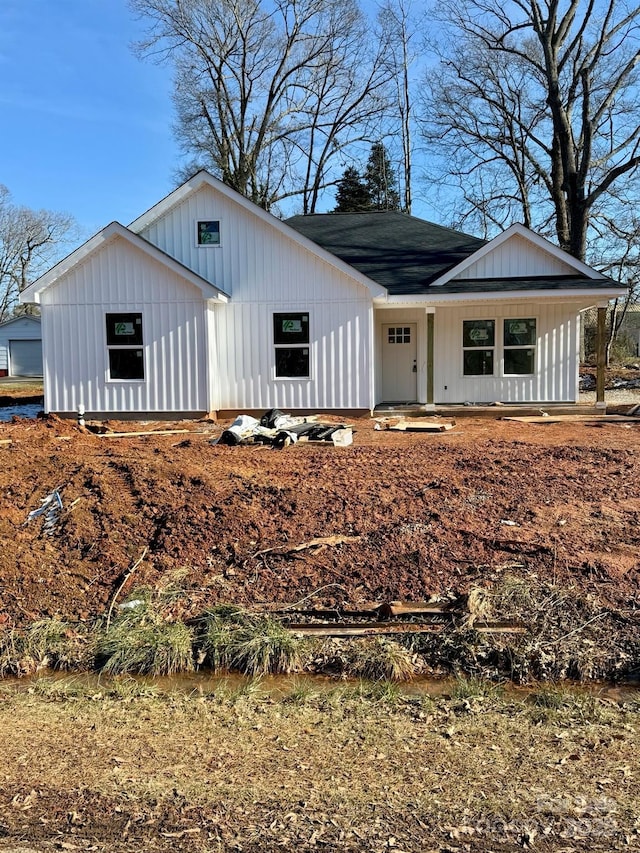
519,346
207,233
124,346
478,347
291,343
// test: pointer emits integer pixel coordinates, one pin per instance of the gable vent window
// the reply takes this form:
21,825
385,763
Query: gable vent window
478,346
124,345
208,232
520,347
291,340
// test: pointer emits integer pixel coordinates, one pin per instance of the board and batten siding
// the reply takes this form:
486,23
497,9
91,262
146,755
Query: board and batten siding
516,258
119,277
18,329
265,271
557,355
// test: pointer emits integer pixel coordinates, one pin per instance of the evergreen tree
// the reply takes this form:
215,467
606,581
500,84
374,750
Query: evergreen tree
353,194
381,180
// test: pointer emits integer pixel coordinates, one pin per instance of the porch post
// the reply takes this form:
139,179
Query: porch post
600,356
430,328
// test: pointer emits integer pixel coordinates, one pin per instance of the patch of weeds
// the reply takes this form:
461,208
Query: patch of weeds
56,644
231,639
252,690
13,655
549,697
46,643
140,640
265,647
475,688
127,689
380,659
58,689
301,692
383,692
566,636
555,703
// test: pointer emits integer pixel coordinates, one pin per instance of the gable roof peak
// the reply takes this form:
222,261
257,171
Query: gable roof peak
105,235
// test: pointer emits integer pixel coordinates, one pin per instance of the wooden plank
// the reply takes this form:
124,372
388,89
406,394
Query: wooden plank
148,432
327,614
422,426
406,608
364,631
584,419
390,628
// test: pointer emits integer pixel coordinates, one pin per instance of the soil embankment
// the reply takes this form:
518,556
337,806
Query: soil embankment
425,515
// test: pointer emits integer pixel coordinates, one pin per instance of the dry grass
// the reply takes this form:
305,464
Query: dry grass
349,770
567,636
141,640
47,643
232,639
380,659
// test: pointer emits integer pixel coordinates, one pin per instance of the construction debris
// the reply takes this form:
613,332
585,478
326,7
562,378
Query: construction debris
279,430
51,508
395,617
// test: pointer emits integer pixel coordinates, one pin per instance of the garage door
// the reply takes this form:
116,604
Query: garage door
25,358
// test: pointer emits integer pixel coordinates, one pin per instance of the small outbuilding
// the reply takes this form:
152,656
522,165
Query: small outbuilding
21,347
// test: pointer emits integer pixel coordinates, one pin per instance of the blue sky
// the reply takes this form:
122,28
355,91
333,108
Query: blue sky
86,126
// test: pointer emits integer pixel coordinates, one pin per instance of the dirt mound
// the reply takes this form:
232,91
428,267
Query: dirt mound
423,515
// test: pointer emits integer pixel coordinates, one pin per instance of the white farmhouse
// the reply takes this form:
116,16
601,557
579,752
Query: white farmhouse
206,303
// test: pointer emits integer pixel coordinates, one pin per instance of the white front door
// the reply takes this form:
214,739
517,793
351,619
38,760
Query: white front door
399,370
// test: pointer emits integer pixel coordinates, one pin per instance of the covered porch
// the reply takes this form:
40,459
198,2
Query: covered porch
477,355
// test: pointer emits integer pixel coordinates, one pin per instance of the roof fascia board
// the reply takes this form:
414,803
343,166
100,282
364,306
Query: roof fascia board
511,296
203,178
518,230
115,229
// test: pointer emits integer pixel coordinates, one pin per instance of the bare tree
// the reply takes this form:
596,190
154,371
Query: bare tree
29,242
268,93
535,108
620,259
400,24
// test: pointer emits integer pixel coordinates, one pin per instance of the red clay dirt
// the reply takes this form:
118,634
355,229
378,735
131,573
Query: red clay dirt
434,513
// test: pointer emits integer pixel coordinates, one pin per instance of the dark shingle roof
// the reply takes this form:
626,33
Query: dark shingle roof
505,285
400,252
